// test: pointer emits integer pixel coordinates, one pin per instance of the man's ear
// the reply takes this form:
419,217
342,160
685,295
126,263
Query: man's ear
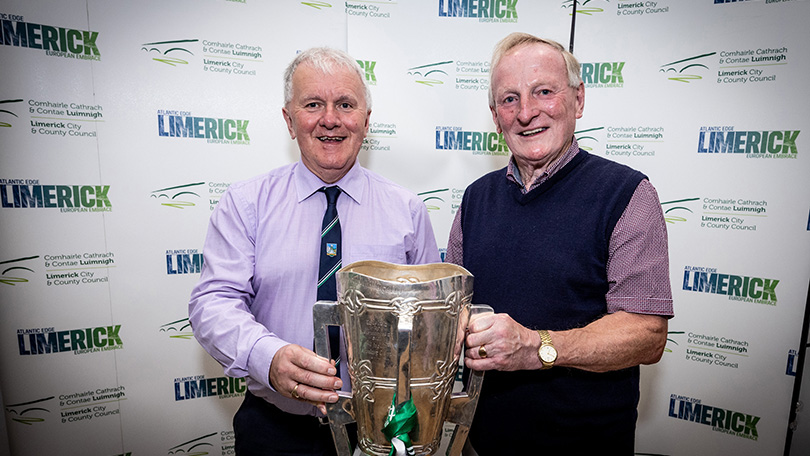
289,120
495,119
368,120
580,100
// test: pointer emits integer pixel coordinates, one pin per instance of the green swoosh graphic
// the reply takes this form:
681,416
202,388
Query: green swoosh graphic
179,204
430,82
317,5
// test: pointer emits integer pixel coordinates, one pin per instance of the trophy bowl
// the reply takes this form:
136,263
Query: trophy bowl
403,328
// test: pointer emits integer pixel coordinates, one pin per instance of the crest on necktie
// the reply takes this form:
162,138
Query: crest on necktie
331,249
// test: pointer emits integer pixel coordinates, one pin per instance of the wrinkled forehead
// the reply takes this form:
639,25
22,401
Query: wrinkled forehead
535,61
333,78
532,54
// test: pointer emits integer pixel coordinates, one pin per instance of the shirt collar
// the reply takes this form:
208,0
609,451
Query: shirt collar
307,183
513,174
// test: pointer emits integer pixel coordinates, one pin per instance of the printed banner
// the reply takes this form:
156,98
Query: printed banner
123,123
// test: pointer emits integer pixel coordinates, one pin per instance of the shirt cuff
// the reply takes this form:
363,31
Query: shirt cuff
649,306
260,358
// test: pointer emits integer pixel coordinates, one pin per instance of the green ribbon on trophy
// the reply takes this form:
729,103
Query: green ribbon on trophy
400,421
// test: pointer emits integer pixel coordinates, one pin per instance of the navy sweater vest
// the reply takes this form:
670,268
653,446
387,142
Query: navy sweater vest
541,257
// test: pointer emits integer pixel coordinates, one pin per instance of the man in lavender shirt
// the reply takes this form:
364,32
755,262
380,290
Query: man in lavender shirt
570,249
252,308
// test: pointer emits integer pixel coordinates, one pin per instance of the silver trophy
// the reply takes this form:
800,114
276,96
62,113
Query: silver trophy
404,329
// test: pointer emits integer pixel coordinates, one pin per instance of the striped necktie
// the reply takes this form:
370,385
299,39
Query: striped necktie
330,260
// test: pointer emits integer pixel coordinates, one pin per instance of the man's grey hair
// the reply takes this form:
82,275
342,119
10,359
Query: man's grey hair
326,60
516,39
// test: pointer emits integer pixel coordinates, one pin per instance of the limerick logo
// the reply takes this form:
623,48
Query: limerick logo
317,5
581,7
41,341
184,261
195,447
29,412
368,69
172,53
720,419
220,57
432,198
181,124
55,41
751,144
677,210
431,74
478,142
682,70
18,193
198,386
180,329
603,74
179,196
792,363
491,11
14,268
738,288
5,113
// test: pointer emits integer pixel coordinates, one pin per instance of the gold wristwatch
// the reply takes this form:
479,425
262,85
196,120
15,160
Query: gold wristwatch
547,353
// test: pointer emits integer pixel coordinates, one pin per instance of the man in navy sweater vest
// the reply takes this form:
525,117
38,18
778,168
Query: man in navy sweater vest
570,249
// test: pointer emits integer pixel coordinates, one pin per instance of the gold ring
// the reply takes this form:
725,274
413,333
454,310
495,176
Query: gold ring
294,392
482,351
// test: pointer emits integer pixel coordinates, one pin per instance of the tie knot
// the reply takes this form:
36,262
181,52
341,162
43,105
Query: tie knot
331,193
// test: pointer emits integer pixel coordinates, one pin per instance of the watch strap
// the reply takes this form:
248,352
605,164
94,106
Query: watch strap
545,340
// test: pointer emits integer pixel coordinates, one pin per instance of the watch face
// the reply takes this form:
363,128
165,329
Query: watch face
548,353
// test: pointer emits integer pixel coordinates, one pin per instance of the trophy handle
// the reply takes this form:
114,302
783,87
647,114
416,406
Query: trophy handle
340,414
325,314
462,405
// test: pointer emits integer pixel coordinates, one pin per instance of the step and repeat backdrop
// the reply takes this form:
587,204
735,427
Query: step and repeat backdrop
122,123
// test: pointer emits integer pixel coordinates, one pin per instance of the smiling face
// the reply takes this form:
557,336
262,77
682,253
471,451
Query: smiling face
328,117
535,107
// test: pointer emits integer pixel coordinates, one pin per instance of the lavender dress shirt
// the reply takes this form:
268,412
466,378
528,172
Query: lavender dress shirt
258,282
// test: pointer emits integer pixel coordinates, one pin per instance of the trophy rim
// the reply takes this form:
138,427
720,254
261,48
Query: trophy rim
364,268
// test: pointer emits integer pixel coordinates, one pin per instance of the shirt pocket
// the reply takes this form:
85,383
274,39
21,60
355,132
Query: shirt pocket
388,253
